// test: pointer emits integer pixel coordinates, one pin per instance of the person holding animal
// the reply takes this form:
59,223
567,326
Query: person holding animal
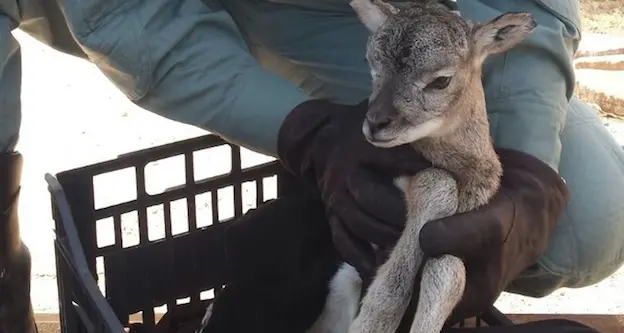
287,78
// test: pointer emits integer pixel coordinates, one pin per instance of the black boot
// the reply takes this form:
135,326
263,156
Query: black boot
16,313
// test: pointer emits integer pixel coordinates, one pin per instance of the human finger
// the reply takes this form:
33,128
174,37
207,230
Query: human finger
353,250
365,226
377,196
469,234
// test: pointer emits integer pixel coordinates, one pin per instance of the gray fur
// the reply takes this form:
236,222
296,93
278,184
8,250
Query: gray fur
412,48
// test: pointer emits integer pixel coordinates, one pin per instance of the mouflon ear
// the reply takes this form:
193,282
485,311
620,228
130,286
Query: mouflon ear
502,33
373,13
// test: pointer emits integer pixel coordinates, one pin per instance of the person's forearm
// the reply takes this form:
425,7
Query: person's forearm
204,75
255,116
245,106
528,88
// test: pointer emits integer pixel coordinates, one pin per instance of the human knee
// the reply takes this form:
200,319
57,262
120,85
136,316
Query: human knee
588,244
592,228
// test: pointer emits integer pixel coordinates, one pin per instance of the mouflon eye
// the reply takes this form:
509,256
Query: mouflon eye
440,83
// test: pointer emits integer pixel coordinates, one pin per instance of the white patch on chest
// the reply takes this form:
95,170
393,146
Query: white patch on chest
342,302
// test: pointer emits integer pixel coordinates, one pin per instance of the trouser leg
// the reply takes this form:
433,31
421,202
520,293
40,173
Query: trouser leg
588,244
10,85
44,21
16,314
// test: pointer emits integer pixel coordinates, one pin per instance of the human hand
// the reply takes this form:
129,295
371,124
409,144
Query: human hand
500,240
323,143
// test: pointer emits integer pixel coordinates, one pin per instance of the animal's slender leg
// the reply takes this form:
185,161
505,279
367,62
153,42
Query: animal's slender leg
441,288
389,294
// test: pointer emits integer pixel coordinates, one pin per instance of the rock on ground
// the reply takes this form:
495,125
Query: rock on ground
614,62
593,44
599,68
602,87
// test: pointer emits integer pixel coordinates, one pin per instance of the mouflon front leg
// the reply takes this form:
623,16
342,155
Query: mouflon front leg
441,288
431,194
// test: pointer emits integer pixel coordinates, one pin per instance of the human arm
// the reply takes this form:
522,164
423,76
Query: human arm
203,74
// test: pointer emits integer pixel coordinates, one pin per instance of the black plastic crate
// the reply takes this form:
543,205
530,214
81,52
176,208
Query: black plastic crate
151,273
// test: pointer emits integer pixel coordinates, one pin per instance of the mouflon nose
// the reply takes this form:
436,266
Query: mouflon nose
377,123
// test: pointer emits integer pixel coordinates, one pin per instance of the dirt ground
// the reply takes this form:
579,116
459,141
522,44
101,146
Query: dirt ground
73,116
603,16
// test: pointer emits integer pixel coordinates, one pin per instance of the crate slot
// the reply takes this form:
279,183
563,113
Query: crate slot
114,187
136,317
163,174
211,162
161,309
105,232
249,195
155,223
130,229
203,209
100,277
206,294
184,300
179,217
250,158
225,197
269,187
